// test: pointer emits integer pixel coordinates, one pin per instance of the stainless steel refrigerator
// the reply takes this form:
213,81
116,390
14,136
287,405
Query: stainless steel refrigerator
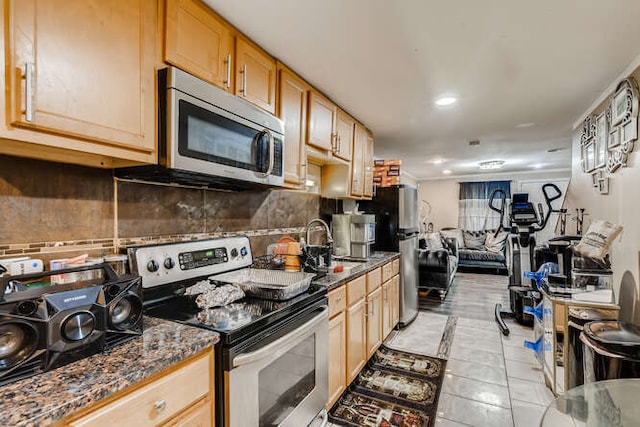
396,211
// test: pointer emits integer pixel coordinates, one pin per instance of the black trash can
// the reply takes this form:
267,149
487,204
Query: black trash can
611,351
578,317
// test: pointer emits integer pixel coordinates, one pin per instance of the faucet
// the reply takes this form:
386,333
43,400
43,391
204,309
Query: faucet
326,227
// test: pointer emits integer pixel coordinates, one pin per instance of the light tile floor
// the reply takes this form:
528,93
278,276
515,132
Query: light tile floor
491,380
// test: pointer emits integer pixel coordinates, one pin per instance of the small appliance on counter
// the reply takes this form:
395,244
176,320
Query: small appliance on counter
353,235
44,325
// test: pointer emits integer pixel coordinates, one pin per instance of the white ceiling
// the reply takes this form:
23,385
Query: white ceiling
510,63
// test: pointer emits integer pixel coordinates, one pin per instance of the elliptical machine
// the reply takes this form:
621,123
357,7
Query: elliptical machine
524,222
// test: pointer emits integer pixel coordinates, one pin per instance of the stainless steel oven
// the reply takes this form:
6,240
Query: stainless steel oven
283,383
209,137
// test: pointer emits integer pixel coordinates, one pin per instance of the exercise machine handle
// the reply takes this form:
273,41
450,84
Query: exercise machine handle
548,199
500,210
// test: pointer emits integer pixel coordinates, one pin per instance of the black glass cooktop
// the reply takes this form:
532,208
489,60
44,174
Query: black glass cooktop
247,316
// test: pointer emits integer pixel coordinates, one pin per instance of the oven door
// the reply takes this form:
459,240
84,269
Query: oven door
284,383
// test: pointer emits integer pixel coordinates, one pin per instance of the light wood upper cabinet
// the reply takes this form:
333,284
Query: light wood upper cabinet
357,165
368,167
255,75
320,129
343,140
84,70
199,42
292,109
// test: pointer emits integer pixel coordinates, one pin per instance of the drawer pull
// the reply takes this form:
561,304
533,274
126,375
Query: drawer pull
160,406
338,299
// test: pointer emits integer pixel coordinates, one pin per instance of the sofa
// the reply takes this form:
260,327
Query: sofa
437,264
480,251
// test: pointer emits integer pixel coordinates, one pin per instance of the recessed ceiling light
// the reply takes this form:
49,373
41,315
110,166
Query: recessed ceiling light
446,172
492,164
438,161
446,100
536,165
525,125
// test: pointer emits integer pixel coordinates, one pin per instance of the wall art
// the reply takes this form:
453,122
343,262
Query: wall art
624,124
601,138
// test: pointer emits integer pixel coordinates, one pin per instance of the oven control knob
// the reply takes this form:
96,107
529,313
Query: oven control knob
169,263
243,251
234,253
153,266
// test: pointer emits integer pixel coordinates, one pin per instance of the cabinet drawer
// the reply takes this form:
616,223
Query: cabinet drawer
337,300
395,266
356,289
156,402
387,271
374,280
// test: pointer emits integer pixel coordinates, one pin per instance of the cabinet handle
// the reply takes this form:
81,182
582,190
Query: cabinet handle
244,80
334,138
160,406
339,144
338,299
28,91
227,82
303,175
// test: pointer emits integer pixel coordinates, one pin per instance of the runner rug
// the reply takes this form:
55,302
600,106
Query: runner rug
395,389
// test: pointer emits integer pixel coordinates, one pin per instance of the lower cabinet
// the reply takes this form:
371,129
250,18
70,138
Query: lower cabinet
337,357
356,338
179,396
362,313
374,321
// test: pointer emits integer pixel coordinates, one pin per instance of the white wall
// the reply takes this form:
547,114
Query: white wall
620,206
442,194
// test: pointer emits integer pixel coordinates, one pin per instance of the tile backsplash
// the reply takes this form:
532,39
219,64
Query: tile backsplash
53,210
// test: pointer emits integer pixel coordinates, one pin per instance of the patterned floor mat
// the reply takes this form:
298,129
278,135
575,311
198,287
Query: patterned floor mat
396,388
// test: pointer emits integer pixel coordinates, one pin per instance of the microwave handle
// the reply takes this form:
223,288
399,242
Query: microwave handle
271,154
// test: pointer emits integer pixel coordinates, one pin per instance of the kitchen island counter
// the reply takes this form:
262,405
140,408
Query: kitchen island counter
377,259
45,398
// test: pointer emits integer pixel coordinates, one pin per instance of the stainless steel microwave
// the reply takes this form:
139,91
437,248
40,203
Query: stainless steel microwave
208,137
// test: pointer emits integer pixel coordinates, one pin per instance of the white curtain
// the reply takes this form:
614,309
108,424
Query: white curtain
474,213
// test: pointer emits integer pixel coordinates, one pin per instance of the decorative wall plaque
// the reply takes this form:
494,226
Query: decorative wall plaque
623,124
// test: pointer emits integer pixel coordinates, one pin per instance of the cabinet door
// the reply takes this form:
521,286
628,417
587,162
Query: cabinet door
357,167
387,315
84,69
199,42
157,401
374,321
356,339
344,135
395,301
368,167
337,357
321,121
199,415
292,108
255,75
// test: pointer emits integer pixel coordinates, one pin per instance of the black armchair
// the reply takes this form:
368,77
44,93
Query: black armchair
437,267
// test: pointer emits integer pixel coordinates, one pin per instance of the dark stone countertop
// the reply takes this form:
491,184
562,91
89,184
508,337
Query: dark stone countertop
333,280
42,399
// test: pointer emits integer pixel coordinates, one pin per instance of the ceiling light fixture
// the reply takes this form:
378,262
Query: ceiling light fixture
492,164
446,172
438,161
525,125
446,100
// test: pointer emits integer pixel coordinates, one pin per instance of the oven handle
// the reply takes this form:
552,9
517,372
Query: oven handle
284,342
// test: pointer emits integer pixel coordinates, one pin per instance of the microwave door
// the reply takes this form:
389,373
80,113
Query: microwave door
205,139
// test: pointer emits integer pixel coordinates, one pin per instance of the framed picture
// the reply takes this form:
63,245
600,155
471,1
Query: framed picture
590,156
614,138
619,106
603,186
595,178
601,140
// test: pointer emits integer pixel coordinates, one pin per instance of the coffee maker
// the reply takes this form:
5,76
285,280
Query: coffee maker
353,235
